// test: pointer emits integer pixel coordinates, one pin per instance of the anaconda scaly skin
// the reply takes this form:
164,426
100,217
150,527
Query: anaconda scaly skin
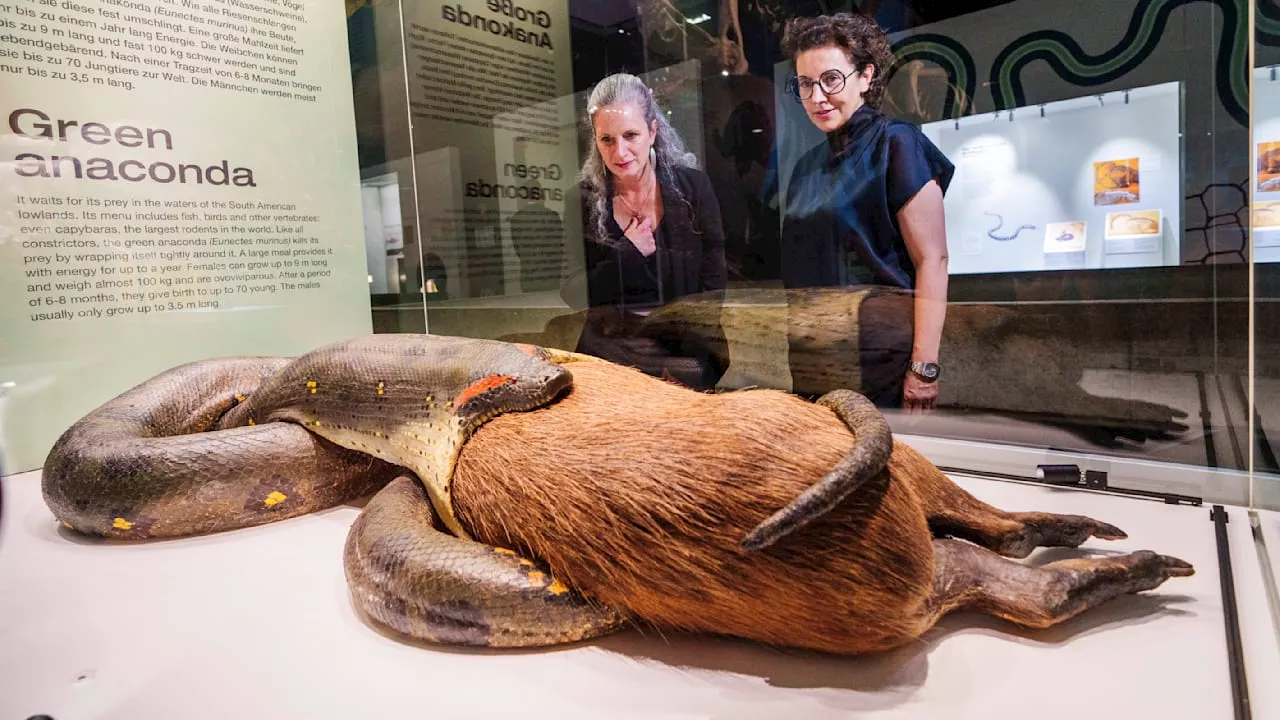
869,456
224,444
410,577
144,464
410,400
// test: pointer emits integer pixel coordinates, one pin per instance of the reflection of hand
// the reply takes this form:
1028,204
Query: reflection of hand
918,396
642,237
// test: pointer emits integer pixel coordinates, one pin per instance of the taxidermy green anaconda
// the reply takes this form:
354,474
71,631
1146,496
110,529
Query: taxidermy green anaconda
235,442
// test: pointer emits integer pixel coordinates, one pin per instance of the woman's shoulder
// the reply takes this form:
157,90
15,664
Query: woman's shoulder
690,178
904,131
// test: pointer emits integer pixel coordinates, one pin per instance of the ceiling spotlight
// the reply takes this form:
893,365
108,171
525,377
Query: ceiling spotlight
8,384
724,73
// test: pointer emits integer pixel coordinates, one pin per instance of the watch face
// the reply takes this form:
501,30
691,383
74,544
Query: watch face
926,370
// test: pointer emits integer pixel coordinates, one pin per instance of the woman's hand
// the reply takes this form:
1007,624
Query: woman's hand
642,237
918,396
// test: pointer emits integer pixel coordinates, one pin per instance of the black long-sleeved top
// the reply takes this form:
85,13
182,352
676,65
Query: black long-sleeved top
690,256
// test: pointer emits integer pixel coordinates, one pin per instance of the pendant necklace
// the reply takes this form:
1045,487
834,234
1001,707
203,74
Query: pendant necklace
636,216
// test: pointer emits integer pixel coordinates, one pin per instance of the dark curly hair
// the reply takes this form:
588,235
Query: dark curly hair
862,40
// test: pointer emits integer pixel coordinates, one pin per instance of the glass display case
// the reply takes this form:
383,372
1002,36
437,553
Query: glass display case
640,358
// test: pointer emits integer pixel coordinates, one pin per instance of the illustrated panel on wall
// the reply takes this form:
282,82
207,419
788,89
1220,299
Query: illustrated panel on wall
1031,183
1116,182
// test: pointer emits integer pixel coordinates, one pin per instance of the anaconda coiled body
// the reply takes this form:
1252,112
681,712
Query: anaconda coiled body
237,442
145,466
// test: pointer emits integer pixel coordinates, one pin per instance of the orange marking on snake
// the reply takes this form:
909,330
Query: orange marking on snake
530,350
480,386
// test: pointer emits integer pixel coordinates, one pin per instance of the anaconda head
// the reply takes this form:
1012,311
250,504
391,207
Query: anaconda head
511,378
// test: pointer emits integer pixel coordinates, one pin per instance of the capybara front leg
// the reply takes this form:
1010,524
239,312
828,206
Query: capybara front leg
970,577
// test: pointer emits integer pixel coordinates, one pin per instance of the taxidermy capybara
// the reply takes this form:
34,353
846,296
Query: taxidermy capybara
637,493
531,496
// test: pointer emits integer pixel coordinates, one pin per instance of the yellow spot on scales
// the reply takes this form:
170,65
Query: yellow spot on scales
537,577
381,386
121,524
251,422
311,385
275,498
504,551
557,588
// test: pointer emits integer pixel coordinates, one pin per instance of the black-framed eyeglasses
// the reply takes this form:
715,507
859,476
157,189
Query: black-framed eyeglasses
832,82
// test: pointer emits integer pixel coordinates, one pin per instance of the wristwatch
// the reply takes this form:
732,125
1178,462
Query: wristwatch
928,371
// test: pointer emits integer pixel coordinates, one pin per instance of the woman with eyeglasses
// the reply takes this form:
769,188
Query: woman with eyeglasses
651,228
864,208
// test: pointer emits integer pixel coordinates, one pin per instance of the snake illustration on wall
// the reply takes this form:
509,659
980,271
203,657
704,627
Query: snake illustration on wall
1069,60
1267,23
955,60
999,224
1146,26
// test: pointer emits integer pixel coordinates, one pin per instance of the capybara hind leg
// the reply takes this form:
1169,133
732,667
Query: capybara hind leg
953,512
970,577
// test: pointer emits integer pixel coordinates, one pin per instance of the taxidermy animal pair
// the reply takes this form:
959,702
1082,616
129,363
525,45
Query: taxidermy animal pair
527,496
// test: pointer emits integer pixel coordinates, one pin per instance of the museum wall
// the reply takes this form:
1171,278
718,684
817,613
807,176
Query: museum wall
450,195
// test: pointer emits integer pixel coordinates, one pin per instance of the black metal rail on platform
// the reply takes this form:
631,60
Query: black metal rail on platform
1230,615
1072,477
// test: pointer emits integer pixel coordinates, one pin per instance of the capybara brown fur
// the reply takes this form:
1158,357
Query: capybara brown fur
637,492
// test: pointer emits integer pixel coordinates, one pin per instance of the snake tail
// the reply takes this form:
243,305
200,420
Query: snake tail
869,455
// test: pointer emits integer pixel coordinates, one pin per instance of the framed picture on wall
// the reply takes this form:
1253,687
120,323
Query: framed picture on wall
1115,182
1268,166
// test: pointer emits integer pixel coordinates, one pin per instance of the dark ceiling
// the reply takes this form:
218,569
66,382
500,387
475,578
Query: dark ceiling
895,15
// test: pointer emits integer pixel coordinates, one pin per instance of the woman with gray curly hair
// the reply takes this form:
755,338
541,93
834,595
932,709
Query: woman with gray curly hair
651,220
652,233
865,207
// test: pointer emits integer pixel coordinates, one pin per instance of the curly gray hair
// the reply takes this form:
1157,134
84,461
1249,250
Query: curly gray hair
620,89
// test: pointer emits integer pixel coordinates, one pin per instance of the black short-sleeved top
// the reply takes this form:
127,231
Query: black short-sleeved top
840,223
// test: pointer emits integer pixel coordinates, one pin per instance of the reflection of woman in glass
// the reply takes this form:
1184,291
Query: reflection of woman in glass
651,221
865,207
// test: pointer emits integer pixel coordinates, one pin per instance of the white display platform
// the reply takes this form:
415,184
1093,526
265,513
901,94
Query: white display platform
257,624
1263,608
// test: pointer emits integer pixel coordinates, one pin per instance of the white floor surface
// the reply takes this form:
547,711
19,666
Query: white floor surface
258,624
